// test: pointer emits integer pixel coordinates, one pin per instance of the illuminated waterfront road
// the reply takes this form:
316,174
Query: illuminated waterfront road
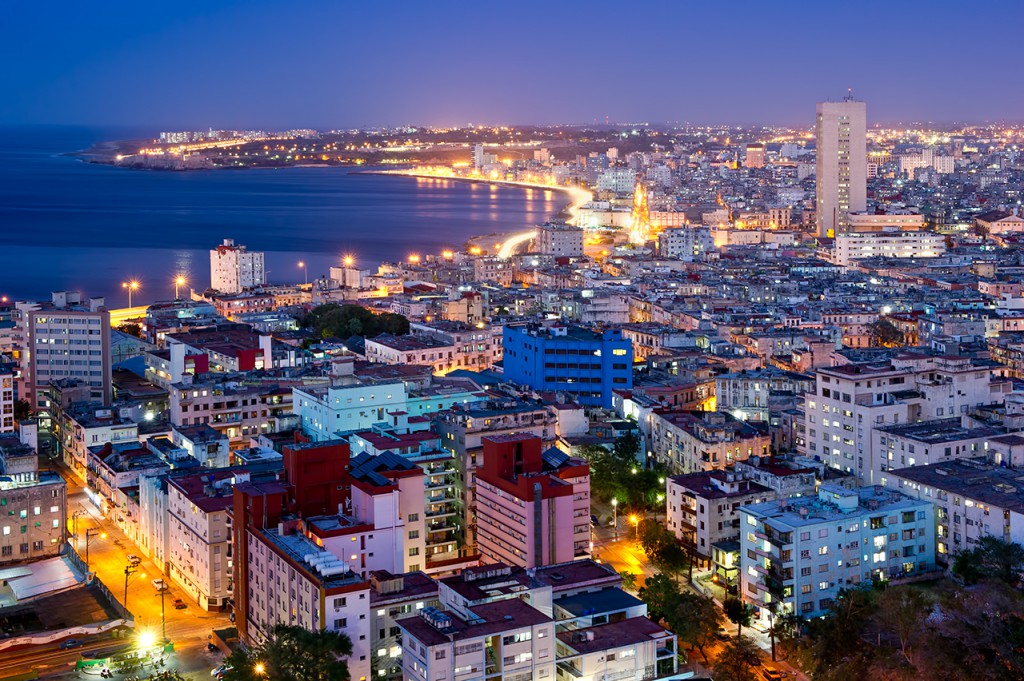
514,242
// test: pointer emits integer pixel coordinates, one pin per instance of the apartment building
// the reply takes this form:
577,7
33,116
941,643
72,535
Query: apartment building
567,620
84,425
199,535
65,339
559,240
527,500
7,372
464,426
33,524
888,243
236,409
692,441
702,511
393,596
973,498
796,554
234,268
928,442
747,394
852,399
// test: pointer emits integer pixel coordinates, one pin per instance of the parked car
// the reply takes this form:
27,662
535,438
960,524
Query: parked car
133,560
180,604
159,584
594,521
219,671
722,634
70,643
772,675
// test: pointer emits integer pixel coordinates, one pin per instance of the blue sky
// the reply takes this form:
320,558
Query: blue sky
316,63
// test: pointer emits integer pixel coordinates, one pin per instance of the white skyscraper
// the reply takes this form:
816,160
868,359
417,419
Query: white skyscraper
841,170
233,268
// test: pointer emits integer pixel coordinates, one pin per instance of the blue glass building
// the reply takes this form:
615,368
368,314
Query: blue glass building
571,359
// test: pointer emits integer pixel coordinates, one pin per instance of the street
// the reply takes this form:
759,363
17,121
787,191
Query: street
189,629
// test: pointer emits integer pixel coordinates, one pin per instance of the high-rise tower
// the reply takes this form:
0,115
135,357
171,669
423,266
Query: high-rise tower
841,170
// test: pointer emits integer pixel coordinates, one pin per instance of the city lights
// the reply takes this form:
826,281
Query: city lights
131,286
178,282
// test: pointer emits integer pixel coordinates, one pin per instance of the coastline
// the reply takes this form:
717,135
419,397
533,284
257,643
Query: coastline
577,195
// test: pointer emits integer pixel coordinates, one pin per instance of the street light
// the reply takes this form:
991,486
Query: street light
259,669
636,524
147,639
131,286
348,260
305,270
615,517
178,281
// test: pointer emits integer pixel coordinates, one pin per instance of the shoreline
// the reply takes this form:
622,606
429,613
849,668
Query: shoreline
577,195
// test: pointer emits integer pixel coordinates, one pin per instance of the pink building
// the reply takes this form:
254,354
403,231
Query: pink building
527,501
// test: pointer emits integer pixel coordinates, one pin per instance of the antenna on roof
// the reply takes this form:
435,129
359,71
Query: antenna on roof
849,94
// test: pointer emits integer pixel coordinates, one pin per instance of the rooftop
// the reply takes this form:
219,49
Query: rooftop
974,479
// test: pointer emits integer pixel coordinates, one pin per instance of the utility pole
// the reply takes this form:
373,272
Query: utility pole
88,535
128,571
163,615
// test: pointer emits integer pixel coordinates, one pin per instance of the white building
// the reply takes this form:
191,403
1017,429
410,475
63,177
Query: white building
841,163
559,240
685,242
65,339
973,499
199,546
899,221
618,180
6,398
852,399
887,244
561,621
233,268
797,554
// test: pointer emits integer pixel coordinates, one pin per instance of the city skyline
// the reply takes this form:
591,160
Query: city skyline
121,64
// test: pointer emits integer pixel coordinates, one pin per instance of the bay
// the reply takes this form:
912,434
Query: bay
70,225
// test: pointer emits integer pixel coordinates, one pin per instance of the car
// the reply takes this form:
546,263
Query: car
594,521
754,660
772,675
219,671
180,604
722,634
70,643
159,584
133,560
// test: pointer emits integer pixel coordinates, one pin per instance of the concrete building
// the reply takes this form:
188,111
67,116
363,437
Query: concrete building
566,620
973,498
755,156
889,221
235,268
889,243
928,442
65,339
693,441
199,535
585,363
747,394
851,399
797,554
527,501
33,521
7,370
560,240
702,511
394,596
685,242
841,163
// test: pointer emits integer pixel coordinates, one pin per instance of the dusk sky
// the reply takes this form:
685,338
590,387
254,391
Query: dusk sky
256,63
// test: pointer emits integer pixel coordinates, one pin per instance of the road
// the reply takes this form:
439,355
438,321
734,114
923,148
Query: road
189,628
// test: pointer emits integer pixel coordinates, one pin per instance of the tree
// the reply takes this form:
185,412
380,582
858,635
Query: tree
628,581
626,448
991,558
695,621
661,594
22,410
293,654
738,612
736,663
885,334
343,321
899,619
131,330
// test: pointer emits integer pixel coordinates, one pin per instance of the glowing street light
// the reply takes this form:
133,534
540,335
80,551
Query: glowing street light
448,255
147,639
413,259
615,516
348,260
178,281
131,286
259,669
305,270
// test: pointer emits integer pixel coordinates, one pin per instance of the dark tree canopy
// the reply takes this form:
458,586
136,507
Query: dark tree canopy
293,654
344,321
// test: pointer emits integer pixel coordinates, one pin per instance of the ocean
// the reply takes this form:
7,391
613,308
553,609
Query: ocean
70,225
